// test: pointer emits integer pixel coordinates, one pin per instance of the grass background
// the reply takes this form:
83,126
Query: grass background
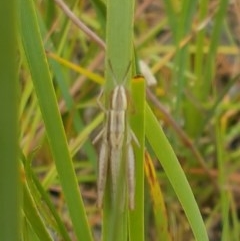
187,124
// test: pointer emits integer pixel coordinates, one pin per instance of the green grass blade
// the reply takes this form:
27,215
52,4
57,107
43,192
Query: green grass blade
119,43
33,216
48,104
175,174
9,168
172,17
39,197
70,104
192,114
159,207
180,20
119,40
100,9
222,177
60,78
209,70
138,126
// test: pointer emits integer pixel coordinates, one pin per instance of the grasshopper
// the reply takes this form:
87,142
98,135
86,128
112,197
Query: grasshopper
116,138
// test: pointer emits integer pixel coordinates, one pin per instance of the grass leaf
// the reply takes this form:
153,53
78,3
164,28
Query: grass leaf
43,86
175,174
10,184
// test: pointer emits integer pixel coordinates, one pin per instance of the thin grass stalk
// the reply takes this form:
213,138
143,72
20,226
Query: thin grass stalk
180,20
192,114
181,60
209,69
205,71
224,196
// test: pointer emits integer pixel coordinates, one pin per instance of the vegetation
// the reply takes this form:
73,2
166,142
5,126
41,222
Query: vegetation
186,122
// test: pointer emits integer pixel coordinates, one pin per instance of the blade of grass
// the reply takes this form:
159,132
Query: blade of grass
192,114
100,8
33,216
9,168
65,27
215,37
37,62
74,147
94,77
236,232
204,71
80,24
159,208
175,174
36,188
138,126
222,163
119,40
70,104
30,124
172,17
182,57
119,43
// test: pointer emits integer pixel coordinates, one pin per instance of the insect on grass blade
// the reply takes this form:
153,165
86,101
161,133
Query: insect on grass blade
116,144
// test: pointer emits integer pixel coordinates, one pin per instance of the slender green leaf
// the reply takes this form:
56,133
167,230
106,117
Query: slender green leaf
209,70
43,86
138,126
119,43
33,216
9,168
40,198
71,106
175,174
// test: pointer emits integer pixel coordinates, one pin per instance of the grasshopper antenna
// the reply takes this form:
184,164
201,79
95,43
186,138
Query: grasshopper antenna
124,76
112,72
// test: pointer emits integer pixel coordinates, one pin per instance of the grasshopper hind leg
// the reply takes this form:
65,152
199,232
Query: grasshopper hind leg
102,172
115,165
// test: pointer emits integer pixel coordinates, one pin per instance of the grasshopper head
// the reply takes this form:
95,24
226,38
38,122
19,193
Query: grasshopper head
119,98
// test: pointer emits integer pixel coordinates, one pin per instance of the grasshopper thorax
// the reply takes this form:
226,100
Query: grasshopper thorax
119,98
